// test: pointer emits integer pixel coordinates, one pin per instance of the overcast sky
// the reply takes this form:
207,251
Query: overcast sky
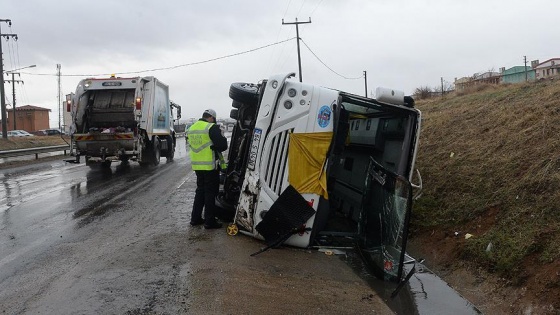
402,44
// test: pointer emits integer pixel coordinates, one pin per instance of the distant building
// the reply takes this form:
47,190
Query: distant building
517,74
29,118
489,77
547,69
461,83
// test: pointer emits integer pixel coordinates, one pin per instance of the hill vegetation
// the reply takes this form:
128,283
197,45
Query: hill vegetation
490,165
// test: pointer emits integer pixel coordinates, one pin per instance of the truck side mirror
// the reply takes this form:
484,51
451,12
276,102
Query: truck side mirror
234,113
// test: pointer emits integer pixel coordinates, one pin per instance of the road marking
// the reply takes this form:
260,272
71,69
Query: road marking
186,178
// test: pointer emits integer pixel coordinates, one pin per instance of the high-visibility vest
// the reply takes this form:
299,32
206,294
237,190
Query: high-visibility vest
223,164
203,158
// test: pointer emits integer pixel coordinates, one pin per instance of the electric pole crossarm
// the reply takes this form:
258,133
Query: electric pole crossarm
296,23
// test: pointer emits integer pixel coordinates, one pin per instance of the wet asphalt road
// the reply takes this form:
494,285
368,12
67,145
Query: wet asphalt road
75,240
60,224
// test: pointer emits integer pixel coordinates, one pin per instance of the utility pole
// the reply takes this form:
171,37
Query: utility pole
365,80
14,81
441,86
297,38
525,60
2,92
59,95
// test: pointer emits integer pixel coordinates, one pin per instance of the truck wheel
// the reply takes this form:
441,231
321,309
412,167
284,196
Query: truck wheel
246,93
170,151
90,164
236,104
156,153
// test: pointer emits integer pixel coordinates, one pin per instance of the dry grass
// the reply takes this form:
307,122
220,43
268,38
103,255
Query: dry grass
31,142
494,149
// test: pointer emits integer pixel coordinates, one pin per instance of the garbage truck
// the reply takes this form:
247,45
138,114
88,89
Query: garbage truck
310,166
122,119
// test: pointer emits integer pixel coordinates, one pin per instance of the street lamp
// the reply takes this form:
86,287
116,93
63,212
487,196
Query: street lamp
10,71
13,72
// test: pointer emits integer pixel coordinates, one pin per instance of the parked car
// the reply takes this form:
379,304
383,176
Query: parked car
19,133
47,132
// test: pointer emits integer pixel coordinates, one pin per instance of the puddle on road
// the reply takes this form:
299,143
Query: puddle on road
424,294
432,294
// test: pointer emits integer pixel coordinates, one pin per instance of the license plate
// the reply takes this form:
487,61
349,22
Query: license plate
254,148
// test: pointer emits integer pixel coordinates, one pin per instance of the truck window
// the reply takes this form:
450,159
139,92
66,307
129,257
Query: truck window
113,99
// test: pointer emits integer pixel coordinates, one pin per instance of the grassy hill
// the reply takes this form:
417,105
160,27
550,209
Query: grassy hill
490,165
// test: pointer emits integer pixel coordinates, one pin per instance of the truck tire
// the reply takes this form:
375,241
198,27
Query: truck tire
88,163
246,93
236,104
170,149
156,153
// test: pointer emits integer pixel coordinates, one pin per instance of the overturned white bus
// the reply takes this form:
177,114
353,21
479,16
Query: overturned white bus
311,166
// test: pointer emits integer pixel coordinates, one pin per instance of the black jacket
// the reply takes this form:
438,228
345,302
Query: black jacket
219,142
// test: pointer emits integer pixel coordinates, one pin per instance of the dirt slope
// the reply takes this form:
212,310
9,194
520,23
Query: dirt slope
490,164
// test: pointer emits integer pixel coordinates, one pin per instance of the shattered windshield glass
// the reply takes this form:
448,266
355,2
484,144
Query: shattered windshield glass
387,211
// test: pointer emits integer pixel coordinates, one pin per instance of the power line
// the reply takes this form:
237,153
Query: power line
23,92
17,55
14,81
315,8
272,55
324,64
287,57
10,53
302,4
281,54
17,64
287,9
166,68
2,92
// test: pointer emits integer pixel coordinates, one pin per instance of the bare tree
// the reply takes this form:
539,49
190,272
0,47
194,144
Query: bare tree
423,92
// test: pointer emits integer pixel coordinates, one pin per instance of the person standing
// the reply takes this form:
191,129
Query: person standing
206,141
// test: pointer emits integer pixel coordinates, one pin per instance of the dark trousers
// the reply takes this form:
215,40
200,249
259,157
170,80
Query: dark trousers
207,187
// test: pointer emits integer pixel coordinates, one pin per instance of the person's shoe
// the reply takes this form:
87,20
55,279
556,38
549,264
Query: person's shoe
214,225
197,222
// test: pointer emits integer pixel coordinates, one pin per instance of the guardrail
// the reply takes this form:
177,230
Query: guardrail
36,151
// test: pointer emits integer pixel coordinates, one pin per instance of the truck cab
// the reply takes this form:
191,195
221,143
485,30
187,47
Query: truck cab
348,157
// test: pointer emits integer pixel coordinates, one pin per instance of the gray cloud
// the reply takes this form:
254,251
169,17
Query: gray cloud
400,43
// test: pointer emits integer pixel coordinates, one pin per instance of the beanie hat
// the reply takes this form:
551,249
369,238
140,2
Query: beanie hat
210,112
